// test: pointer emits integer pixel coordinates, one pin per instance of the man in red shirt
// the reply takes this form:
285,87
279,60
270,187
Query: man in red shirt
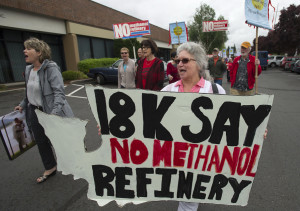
242,72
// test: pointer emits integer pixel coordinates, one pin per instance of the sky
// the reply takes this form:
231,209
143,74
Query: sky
162,12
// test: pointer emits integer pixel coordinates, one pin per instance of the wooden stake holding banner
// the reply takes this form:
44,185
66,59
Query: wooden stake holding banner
257,14
256,57
178,33
133,48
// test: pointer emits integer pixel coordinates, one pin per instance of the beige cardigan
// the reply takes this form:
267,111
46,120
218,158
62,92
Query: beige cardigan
127,78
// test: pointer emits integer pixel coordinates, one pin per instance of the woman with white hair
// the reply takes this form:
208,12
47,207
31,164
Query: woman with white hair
191,65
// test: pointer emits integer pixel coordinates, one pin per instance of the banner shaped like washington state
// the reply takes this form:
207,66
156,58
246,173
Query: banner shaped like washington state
212,26
158,146
131,29
257,13
178,33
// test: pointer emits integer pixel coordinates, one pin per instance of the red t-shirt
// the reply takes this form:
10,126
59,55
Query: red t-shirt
146,68
172,70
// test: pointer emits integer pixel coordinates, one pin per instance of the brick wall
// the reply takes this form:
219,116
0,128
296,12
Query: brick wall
81,11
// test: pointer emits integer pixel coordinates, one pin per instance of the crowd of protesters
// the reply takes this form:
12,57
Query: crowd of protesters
190,70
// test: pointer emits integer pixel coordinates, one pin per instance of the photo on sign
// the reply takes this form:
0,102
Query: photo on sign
15,134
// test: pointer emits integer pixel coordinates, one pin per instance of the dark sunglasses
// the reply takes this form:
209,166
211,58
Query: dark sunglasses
184,60
124,53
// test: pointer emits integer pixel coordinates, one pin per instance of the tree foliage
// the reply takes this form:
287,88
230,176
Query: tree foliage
285,36
127,43
210,40
231,47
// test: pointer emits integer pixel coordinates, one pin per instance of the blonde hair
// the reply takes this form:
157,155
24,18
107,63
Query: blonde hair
39,46
124,49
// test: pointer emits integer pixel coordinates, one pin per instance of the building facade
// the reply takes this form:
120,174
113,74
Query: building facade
74,29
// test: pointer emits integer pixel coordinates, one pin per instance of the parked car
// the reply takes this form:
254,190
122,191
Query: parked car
274,61
296,67
263,58
288,59
290,65
110,74
105,74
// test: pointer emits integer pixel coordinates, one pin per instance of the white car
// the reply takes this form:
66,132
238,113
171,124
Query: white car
274,61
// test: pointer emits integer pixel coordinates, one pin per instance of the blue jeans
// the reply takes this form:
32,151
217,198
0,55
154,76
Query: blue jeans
218,82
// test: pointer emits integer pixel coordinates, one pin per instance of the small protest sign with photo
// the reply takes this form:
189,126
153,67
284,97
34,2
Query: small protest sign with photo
15,134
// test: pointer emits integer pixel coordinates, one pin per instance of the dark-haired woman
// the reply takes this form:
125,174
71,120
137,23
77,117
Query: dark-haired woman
150,70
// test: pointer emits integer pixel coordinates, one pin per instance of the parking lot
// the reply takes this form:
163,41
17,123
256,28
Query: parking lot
275,186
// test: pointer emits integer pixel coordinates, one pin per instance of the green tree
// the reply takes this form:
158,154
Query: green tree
127,43
285,36
234,49
210,40
227,51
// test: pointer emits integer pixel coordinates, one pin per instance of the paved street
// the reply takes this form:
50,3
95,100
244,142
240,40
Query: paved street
276,185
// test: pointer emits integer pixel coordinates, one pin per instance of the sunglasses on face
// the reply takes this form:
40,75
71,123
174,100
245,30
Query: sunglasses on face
124,53
184,60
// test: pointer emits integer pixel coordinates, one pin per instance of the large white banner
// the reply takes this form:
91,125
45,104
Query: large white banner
157,146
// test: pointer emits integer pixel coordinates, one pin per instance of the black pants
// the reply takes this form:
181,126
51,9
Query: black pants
228,76
42,141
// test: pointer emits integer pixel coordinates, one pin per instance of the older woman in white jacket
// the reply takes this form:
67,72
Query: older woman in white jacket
191,65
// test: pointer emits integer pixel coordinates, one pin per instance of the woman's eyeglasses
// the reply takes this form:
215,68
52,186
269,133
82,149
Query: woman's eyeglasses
184,60
145,47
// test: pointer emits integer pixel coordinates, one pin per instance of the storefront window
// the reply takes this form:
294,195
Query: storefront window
16,56
12,61
84,47
12,35
5,70
98,48
110,48
95,48
57,56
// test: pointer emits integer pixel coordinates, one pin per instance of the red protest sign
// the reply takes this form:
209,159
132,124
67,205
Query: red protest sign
209,26
131,29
